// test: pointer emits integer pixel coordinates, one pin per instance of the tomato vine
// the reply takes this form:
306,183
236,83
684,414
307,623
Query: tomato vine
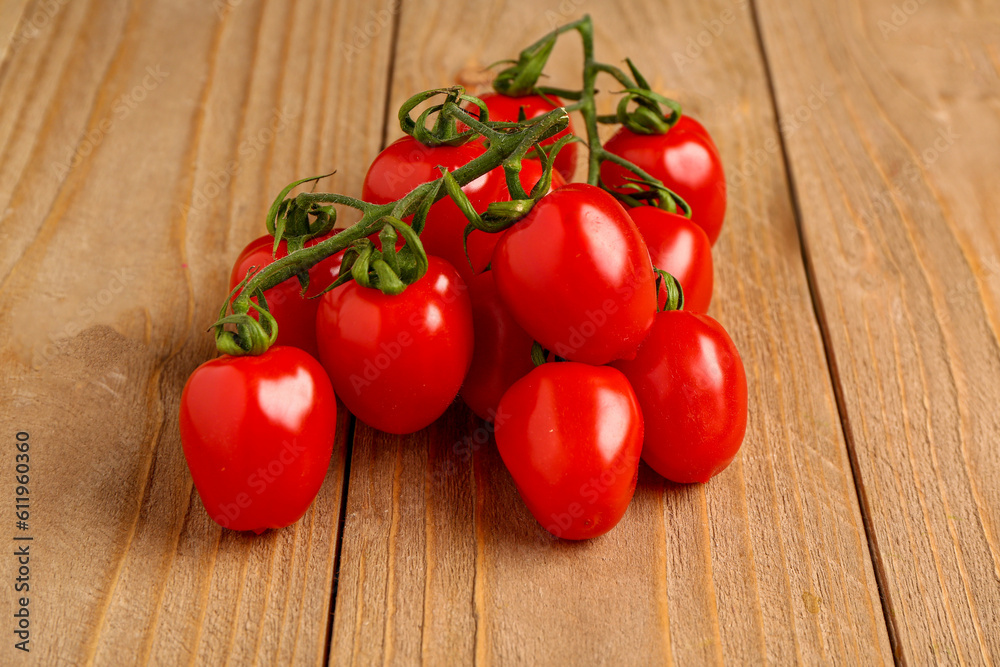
310,215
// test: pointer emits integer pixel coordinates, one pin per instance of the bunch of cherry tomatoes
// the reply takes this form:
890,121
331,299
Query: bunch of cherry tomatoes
570,316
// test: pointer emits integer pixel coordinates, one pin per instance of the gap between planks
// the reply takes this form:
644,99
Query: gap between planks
831,362
387,117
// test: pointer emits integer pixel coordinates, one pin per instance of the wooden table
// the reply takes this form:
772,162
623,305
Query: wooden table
858,272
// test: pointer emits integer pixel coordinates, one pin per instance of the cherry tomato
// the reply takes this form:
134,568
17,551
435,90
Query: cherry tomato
502,353
685,159
576,275
407,163
571,435
679,247
506,109
295,314
397,362
692,387
257,433
446,239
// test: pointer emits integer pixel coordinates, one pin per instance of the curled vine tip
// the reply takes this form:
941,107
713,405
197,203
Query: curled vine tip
444,132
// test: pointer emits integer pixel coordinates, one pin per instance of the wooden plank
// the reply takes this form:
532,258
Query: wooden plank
178,122
894,176
769,562
18,27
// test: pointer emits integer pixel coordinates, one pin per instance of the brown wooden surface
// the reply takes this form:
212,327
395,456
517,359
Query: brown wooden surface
857,272
899,219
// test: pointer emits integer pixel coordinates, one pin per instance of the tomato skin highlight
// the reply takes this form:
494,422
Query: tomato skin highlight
397,362
295,314
506,109
692,386
681,248
406,163
571,436
576,275
502,353
258,433
685,159
481,244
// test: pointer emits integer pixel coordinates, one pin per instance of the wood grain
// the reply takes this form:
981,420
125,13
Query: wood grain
768,563
894,182
140,144
858,272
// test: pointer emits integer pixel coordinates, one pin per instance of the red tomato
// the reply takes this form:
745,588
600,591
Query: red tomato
407,163
691,385
505,109
685,159
503,350
679,247
447,243
571,435
576,275
481,244
397,362
296,315
257,433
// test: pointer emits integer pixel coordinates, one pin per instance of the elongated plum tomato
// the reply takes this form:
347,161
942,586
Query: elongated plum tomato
681,248
296,315
503,349
397,362
507,109
448,242
257,433
571,435
407,163
692,387
576,275
685,159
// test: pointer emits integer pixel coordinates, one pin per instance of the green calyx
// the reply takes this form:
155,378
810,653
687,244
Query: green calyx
520,78
538,354
306,221
389,270
644,189
675,294
500,216
310,216
648,117
252,336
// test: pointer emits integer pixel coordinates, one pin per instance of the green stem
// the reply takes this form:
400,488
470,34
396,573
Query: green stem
588,105
502,146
